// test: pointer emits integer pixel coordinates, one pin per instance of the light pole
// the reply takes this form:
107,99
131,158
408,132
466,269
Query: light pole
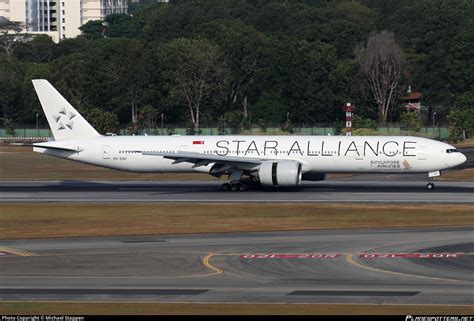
37,128
162,116
433,118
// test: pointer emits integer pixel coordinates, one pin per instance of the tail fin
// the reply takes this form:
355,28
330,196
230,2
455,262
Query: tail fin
64,120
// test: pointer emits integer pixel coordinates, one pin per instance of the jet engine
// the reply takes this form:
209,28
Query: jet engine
285,173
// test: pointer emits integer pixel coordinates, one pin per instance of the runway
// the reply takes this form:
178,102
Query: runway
378,266
358,189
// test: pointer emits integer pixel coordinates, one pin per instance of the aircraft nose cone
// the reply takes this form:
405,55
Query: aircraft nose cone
462,158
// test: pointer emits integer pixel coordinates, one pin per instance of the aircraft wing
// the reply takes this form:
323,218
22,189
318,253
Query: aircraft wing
200,159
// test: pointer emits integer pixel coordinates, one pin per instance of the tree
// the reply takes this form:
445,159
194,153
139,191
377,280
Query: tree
183,19
268,110
10,36
114,25
73,75
103,121
461,117
125,74
302,75
438,44
122,25
147,118
343,25
10,95
93,29
242,47
30,102
268,58
381,64
461,123
193,68
9,125
411,121
359,122
234,121
38,50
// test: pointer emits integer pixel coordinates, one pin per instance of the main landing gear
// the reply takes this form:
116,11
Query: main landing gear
240,186
237,183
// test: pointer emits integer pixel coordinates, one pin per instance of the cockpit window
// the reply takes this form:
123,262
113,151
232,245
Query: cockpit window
449,151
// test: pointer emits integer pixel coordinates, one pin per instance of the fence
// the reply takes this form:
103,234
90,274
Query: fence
228,131
27,132
429,132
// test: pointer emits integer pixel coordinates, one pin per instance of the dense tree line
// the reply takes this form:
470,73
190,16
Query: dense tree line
247,62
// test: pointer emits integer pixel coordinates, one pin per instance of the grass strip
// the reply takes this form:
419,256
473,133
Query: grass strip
38,220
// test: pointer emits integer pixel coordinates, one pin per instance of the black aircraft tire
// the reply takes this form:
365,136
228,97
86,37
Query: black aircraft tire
235,187
225,187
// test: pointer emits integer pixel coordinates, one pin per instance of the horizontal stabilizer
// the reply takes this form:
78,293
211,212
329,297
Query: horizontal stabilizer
75,150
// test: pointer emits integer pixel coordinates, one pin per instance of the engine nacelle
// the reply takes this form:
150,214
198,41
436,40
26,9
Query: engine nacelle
285,173
314,176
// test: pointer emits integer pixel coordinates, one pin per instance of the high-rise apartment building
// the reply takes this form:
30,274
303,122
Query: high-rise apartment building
99,9
41,15
13,10
59,19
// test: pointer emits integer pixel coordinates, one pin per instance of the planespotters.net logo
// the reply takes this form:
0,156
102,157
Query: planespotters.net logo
439,318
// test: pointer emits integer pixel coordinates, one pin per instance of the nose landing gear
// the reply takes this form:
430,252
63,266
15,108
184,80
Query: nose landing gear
431,175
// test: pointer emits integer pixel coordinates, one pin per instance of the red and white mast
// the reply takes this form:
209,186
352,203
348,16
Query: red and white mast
349,108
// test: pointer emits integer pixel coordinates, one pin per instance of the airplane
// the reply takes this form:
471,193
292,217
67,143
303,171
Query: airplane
248,161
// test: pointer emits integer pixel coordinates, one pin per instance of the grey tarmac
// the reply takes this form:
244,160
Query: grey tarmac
211,268
358,189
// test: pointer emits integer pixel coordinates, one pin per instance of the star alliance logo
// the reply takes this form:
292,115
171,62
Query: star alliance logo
407,165
64,119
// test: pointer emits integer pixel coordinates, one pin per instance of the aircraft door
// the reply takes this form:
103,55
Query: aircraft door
422,153
106,153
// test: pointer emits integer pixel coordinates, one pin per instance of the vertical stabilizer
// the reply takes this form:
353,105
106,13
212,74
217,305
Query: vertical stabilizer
64,120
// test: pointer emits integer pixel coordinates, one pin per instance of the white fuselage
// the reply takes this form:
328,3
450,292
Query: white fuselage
376,154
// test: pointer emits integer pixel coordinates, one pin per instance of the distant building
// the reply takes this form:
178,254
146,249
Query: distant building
412,100
13,10
99,9
59,19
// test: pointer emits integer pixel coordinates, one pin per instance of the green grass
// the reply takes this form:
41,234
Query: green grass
35,220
